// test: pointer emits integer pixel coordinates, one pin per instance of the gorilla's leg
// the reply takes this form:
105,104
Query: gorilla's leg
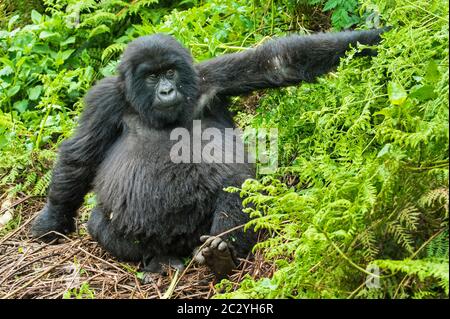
100,228
220,253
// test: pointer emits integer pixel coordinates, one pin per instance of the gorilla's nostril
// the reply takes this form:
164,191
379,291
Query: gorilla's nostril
167,92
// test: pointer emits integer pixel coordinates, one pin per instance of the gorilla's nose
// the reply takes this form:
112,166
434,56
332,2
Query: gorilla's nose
166,92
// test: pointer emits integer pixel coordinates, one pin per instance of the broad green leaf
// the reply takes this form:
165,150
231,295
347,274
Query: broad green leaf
21,106
386,148
7,70
432,73
62,56
12,21
331,4
47,34
3,140
423,93
7,62
13,90
34,92
66,54
68,41
36,17
397,94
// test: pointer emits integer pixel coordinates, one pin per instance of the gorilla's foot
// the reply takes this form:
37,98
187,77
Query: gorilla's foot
217,254
49,223
159,265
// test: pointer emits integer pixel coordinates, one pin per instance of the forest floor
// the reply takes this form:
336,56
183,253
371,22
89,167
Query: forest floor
76,267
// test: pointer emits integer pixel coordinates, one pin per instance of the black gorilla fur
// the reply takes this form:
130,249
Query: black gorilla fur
150,208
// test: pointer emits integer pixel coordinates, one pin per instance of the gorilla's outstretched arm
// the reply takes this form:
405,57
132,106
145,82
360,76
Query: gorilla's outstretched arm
280,62
80,156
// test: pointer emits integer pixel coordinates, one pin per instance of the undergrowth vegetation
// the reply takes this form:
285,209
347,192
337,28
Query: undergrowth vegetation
359,205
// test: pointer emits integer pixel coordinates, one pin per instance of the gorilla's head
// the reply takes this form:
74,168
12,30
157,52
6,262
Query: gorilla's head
159,79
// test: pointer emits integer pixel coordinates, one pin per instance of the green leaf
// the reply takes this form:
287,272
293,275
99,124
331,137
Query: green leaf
62,56
21,105
7,70
66,54
140,275
432,73
68,41
12,21
36,17
330,4
7,62
13,90
397,94
34,92
47,34
3,140
99,30
423,93
386,148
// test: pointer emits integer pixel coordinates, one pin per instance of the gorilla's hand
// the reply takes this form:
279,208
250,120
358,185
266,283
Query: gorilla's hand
217,254
50,222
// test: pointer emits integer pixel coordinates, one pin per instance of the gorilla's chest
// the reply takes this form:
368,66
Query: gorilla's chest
153,172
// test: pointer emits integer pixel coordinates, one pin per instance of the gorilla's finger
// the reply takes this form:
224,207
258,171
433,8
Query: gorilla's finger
222,246
210,240
204,238
199,259
215,242
207,252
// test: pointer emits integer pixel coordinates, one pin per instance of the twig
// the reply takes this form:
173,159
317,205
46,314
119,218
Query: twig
12,293
203,245
16,203
17,229
104,261
172,286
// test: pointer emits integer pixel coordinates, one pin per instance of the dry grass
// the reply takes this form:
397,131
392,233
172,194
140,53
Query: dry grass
32,269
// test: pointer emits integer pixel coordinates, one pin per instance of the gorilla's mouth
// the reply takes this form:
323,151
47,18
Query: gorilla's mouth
164,106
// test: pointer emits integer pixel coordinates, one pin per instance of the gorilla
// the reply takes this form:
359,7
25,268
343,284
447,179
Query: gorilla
150,208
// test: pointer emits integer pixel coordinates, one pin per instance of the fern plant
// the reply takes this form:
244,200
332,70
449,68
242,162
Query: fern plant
366,150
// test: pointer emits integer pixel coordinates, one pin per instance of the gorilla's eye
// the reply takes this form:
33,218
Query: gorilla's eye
152,76
170,73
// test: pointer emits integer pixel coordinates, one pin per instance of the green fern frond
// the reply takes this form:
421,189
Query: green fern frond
42,184
80,6
434,197
30,179
369,243
422,268
401,235
138,5
439,246
99,30
113,50
99,18
409,217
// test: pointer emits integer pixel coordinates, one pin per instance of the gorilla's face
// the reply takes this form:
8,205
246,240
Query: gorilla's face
165,98
164,83
160,80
